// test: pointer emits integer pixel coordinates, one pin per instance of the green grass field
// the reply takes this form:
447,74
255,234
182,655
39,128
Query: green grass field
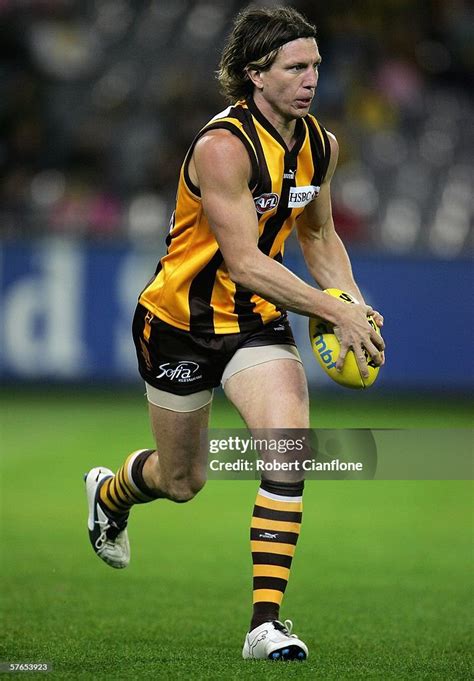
381,585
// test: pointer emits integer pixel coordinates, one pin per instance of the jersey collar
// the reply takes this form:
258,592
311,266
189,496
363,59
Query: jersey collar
300,129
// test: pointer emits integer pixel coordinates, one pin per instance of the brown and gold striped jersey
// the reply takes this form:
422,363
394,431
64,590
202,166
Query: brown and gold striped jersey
191,288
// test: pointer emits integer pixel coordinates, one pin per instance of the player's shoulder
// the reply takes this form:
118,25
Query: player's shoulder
225,125
224,146
220,154
224,134
218,141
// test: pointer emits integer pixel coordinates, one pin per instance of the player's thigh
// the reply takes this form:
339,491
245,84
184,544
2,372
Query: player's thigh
273,394
181,447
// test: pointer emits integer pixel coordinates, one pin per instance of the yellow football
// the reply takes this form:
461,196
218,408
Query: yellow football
326,349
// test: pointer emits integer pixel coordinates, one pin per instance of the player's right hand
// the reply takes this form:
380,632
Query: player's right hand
354,332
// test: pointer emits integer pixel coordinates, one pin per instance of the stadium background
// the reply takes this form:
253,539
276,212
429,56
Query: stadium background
98,103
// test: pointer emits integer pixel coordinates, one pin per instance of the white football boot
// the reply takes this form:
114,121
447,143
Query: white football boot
274,641
108,536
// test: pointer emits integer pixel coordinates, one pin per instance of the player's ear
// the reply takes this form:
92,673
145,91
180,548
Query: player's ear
255,76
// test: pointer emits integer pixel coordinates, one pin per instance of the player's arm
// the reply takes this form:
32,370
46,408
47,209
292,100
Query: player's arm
323,250
324,253
221,168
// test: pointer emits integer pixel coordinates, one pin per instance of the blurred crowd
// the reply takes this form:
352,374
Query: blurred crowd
100,99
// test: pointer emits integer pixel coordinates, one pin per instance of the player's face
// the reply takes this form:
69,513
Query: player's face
290,83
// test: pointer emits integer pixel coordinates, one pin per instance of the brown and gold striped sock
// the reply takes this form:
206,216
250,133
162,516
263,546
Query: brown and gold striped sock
275,529
127,487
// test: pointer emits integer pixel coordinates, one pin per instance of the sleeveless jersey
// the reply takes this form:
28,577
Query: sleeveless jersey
191,288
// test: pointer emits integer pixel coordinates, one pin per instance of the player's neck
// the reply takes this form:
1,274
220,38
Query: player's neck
284,126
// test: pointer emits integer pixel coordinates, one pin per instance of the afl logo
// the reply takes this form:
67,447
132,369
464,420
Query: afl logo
266,202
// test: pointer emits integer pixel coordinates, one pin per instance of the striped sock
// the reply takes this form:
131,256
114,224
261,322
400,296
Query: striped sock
127,487
275,528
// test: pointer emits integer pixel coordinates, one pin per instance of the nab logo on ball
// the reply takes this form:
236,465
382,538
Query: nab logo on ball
266,202
181,372
320,346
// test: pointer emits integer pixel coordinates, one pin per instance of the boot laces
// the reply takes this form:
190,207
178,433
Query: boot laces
285,627
109,531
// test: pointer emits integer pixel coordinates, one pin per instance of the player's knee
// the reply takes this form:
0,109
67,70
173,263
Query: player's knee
185,489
